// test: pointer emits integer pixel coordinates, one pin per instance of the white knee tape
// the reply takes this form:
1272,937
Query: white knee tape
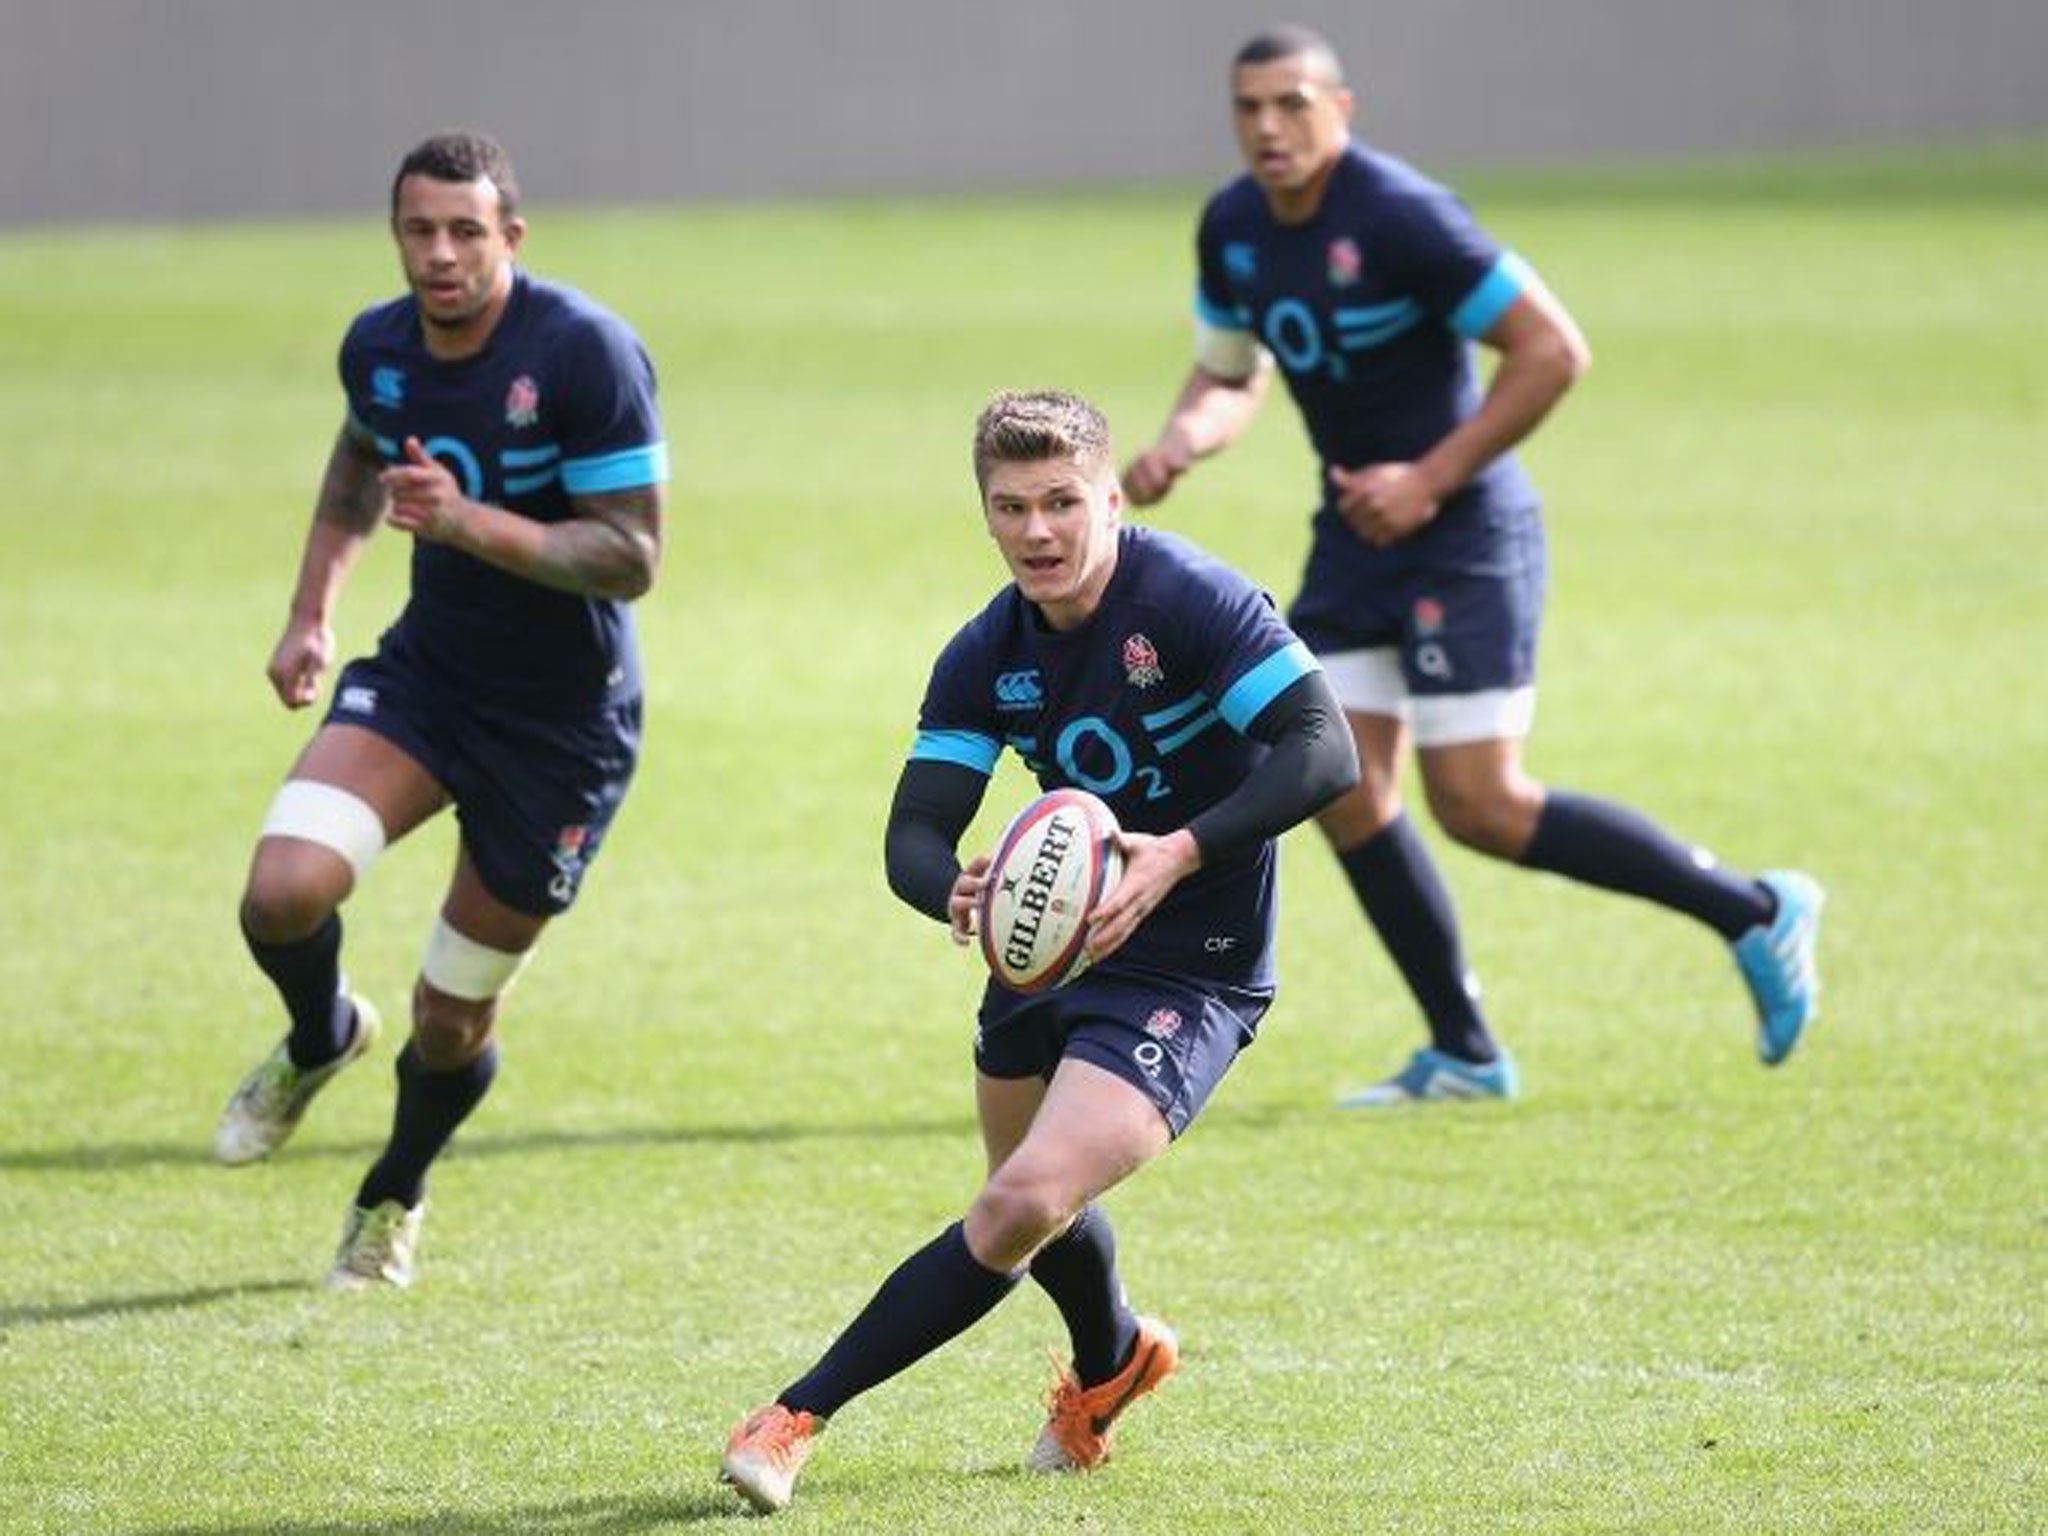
463,968
333,818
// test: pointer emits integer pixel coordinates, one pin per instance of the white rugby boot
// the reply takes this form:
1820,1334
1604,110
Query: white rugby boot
380,1246
265,1109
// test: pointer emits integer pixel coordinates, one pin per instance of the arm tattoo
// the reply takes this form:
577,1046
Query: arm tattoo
610,548
351,495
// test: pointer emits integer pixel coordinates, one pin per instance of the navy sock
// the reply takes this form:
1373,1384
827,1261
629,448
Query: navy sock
935,1295
430,1106
1396,882
307,975
1611,846
1078,1271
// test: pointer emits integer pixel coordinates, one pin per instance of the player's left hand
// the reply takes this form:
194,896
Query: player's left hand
1384,502
1152,867
425,500
966,896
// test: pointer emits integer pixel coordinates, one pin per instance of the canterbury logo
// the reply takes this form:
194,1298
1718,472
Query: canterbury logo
1019,690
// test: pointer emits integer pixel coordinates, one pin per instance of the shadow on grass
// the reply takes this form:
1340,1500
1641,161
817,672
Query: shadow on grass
618,1516
28,1314
114,1156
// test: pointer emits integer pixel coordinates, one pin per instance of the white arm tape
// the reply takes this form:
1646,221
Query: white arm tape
330,816
463,968
1232,355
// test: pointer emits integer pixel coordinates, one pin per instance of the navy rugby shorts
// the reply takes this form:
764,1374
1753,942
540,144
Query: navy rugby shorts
1462,621
1170,1037
533,795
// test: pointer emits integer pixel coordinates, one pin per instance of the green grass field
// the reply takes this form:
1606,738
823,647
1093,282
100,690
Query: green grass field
1799,513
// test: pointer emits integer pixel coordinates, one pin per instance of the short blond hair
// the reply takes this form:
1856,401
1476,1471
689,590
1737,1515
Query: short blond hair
1025,426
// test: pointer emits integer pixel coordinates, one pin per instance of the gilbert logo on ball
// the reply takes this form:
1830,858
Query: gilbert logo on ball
1052,868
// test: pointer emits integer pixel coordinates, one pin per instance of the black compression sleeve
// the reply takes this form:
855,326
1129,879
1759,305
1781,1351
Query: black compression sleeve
933,805
1313,760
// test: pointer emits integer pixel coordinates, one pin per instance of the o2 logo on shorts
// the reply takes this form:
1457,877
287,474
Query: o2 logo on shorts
1431,659
1150,1056
568,861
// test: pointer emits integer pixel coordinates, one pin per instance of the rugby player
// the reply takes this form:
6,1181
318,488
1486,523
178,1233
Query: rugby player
508,426
1364,282
1124,662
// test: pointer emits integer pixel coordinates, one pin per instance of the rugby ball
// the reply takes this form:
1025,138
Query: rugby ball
1052,867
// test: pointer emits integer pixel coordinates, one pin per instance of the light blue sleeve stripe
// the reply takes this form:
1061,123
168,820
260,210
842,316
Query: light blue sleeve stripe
1216,315
1188,732
1357,339
519,485
627,470
970,749
1265,683
1159,719
1374,315
526,458
1484,305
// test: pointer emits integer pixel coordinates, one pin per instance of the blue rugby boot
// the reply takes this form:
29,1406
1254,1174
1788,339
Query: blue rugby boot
1433,1077
1777,961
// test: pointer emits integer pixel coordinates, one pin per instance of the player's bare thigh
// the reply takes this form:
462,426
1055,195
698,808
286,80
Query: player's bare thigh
1091,1131
1005,1107
295,881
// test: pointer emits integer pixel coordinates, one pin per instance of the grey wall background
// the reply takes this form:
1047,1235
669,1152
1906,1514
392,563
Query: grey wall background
171,109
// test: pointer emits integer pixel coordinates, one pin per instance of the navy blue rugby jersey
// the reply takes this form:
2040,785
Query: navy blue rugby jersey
1369,310
1145,705
560,402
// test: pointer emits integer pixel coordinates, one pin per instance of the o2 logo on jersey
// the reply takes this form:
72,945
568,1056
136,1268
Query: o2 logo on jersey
1295,336
1108,765
456,454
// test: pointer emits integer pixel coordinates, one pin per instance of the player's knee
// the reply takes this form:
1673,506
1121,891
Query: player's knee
461,969
1017,1214
1489,816
450,1032
282,903
317,840
1359,815
455,1002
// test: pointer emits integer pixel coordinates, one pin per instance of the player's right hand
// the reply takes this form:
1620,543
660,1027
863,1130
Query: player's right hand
966,898
1149,476
300,661
1153,866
